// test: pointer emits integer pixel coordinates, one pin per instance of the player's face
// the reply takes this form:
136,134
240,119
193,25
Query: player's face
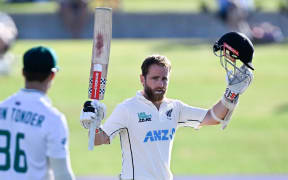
155,83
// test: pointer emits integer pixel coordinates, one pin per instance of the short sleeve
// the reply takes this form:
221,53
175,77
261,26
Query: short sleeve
116,121
57,137
190,116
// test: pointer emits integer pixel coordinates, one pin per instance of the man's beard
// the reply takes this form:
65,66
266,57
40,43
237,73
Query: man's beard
152,95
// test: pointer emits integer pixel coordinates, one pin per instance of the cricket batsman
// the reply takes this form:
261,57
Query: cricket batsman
147,122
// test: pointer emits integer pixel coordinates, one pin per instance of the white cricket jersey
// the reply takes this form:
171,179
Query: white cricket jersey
147,134
30,131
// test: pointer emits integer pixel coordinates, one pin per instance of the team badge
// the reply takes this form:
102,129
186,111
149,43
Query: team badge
169,114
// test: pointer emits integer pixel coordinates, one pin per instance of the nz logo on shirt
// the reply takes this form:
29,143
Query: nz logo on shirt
169,114
143,117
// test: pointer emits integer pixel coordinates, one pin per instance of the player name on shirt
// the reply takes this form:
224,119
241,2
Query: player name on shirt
21,116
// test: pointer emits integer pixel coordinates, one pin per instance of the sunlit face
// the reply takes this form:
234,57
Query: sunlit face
155,83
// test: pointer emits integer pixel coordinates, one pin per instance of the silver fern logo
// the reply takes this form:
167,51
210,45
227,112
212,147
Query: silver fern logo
169,114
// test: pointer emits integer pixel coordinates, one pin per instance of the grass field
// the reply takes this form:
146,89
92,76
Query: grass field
254,143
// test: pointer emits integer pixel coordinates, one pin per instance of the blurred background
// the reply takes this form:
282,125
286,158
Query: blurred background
255,143
261,20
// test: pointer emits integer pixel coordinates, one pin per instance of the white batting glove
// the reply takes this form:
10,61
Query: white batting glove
92,111
241,80
237,85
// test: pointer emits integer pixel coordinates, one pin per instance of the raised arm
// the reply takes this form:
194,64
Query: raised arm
222,111
219,110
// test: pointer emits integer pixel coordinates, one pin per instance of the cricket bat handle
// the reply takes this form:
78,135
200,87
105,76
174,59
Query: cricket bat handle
92,129
94,126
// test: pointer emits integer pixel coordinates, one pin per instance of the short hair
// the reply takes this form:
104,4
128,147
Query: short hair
154,59
36,76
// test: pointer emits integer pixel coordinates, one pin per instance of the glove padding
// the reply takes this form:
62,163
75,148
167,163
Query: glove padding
240,81
92,111
236,84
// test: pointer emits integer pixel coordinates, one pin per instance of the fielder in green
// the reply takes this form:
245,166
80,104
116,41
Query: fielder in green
34,135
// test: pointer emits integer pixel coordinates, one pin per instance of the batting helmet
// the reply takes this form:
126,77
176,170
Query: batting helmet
236,45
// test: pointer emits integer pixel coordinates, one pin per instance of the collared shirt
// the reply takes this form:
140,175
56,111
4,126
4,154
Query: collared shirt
147,134
31,130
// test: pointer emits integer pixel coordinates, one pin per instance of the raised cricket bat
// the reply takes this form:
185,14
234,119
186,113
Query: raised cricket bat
100,60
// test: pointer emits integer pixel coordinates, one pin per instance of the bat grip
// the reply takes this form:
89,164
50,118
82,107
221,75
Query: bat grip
92,130
92,136
93,126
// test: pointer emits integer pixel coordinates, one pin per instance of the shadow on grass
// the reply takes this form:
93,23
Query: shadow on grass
281,109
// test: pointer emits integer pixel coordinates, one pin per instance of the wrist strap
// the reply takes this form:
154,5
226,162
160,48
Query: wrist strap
215,117
228,104
99,129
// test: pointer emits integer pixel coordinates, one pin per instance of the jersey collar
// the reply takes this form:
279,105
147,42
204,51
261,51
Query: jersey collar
35,92
32,91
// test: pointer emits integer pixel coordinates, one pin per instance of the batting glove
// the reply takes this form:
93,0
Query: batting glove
237,85
92,111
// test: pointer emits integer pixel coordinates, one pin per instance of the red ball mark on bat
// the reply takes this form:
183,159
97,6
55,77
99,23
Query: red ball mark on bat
99,45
